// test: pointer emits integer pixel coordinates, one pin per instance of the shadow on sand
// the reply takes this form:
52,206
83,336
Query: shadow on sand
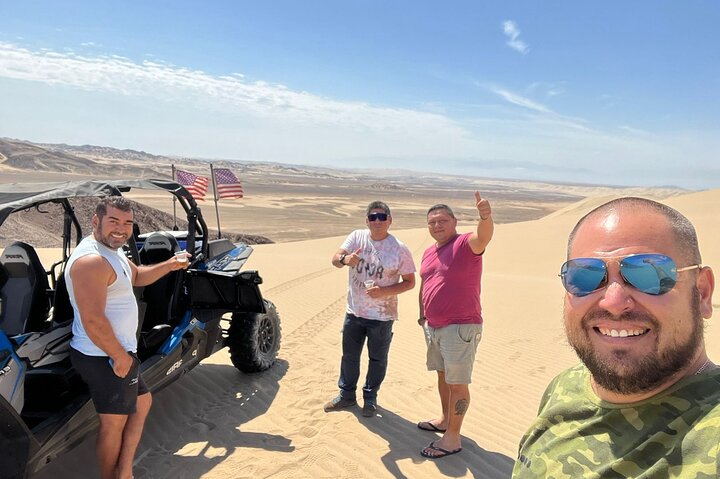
195,424
406,441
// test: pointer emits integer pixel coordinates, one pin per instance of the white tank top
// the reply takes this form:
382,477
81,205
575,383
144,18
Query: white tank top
121,306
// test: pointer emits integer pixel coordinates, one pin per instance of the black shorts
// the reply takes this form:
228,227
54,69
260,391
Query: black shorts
111,394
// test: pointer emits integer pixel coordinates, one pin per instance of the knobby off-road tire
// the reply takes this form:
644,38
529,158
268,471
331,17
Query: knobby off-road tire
254,339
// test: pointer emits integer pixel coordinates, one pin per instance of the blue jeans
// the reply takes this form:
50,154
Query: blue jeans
379,335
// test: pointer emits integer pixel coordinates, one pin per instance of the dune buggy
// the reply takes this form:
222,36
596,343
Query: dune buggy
45,408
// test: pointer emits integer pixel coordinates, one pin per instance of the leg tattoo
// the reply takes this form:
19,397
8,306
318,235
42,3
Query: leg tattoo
461,407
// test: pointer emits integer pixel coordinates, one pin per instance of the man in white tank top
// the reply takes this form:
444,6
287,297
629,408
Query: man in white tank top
100,282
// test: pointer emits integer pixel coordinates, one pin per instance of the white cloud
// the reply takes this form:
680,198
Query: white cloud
59,96
548,89
634,131
116,74
512,31
519,100
541,114
192,112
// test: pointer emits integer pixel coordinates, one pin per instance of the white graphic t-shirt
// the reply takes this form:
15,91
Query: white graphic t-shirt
383,262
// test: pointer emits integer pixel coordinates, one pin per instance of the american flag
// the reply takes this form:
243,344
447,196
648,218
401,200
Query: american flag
228,186
196,185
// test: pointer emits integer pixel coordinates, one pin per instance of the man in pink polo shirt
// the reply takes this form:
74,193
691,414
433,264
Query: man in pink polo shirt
450,314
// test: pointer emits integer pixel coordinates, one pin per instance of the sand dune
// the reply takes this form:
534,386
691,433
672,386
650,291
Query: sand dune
218,423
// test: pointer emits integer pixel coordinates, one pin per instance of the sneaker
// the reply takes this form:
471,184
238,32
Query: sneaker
369,409
339,403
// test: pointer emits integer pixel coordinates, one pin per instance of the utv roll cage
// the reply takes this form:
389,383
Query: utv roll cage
16,197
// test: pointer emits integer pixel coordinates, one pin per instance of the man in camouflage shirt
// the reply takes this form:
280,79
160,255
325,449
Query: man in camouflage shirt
646,400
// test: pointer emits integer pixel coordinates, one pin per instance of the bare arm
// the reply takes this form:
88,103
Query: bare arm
480,238
144,275
91,276
351,259
421,316
336,258
407,283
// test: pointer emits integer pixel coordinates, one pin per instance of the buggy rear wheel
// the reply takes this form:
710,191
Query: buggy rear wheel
254,339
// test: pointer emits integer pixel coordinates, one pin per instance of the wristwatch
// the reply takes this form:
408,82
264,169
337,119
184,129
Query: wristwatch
342,259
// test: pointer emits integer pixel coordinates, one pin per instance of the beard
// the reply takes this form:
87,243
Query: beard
618,371
107,240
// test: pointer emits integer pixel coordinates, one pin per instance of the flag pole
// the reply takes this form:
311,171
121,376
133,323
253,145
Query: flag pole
215,197
175,226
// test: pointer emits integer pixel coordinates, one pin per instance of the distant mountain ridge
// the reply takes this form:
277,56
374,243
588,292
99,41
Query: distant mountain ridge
23,155
103,152
86,160
91,161
289,202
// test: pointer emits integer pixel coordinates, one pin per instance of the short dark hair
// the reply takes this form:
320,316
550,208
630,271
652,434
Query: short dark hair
681,227
441,206
378,205
119,202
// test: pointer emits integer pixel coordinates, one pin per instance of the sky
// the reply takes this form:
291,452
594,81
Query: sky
612,92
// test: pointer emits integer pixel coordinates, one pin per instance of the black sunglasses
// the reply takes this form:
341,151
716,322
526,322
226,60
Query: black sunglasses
377,217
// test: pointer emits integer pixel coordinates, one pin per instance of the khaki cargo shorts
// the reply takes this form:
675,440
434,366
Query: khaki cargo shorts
452,349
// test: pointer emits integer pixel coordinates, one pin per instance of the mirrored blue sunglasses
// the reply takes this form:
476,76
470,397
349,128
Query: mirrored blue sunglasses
649,273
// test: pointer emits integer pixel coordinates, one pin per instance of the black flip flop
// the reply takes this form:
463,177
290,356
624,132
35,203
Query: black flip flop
428,426
443,452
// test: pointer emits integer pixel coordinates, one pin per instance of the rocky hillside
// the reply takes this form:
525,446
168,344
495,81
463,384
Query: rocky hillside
42,227
27,156
97,161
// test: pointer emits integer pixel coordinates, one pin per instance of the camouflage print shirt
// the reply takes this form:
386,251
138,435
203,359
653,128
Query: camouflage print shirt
577,435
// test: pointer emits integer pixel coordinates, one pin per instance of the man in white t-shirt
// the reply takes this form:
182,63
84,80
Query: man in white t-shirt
380,267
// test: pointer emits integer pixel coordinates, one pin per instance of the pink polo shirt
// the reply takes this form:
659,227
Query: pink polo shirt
451,283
